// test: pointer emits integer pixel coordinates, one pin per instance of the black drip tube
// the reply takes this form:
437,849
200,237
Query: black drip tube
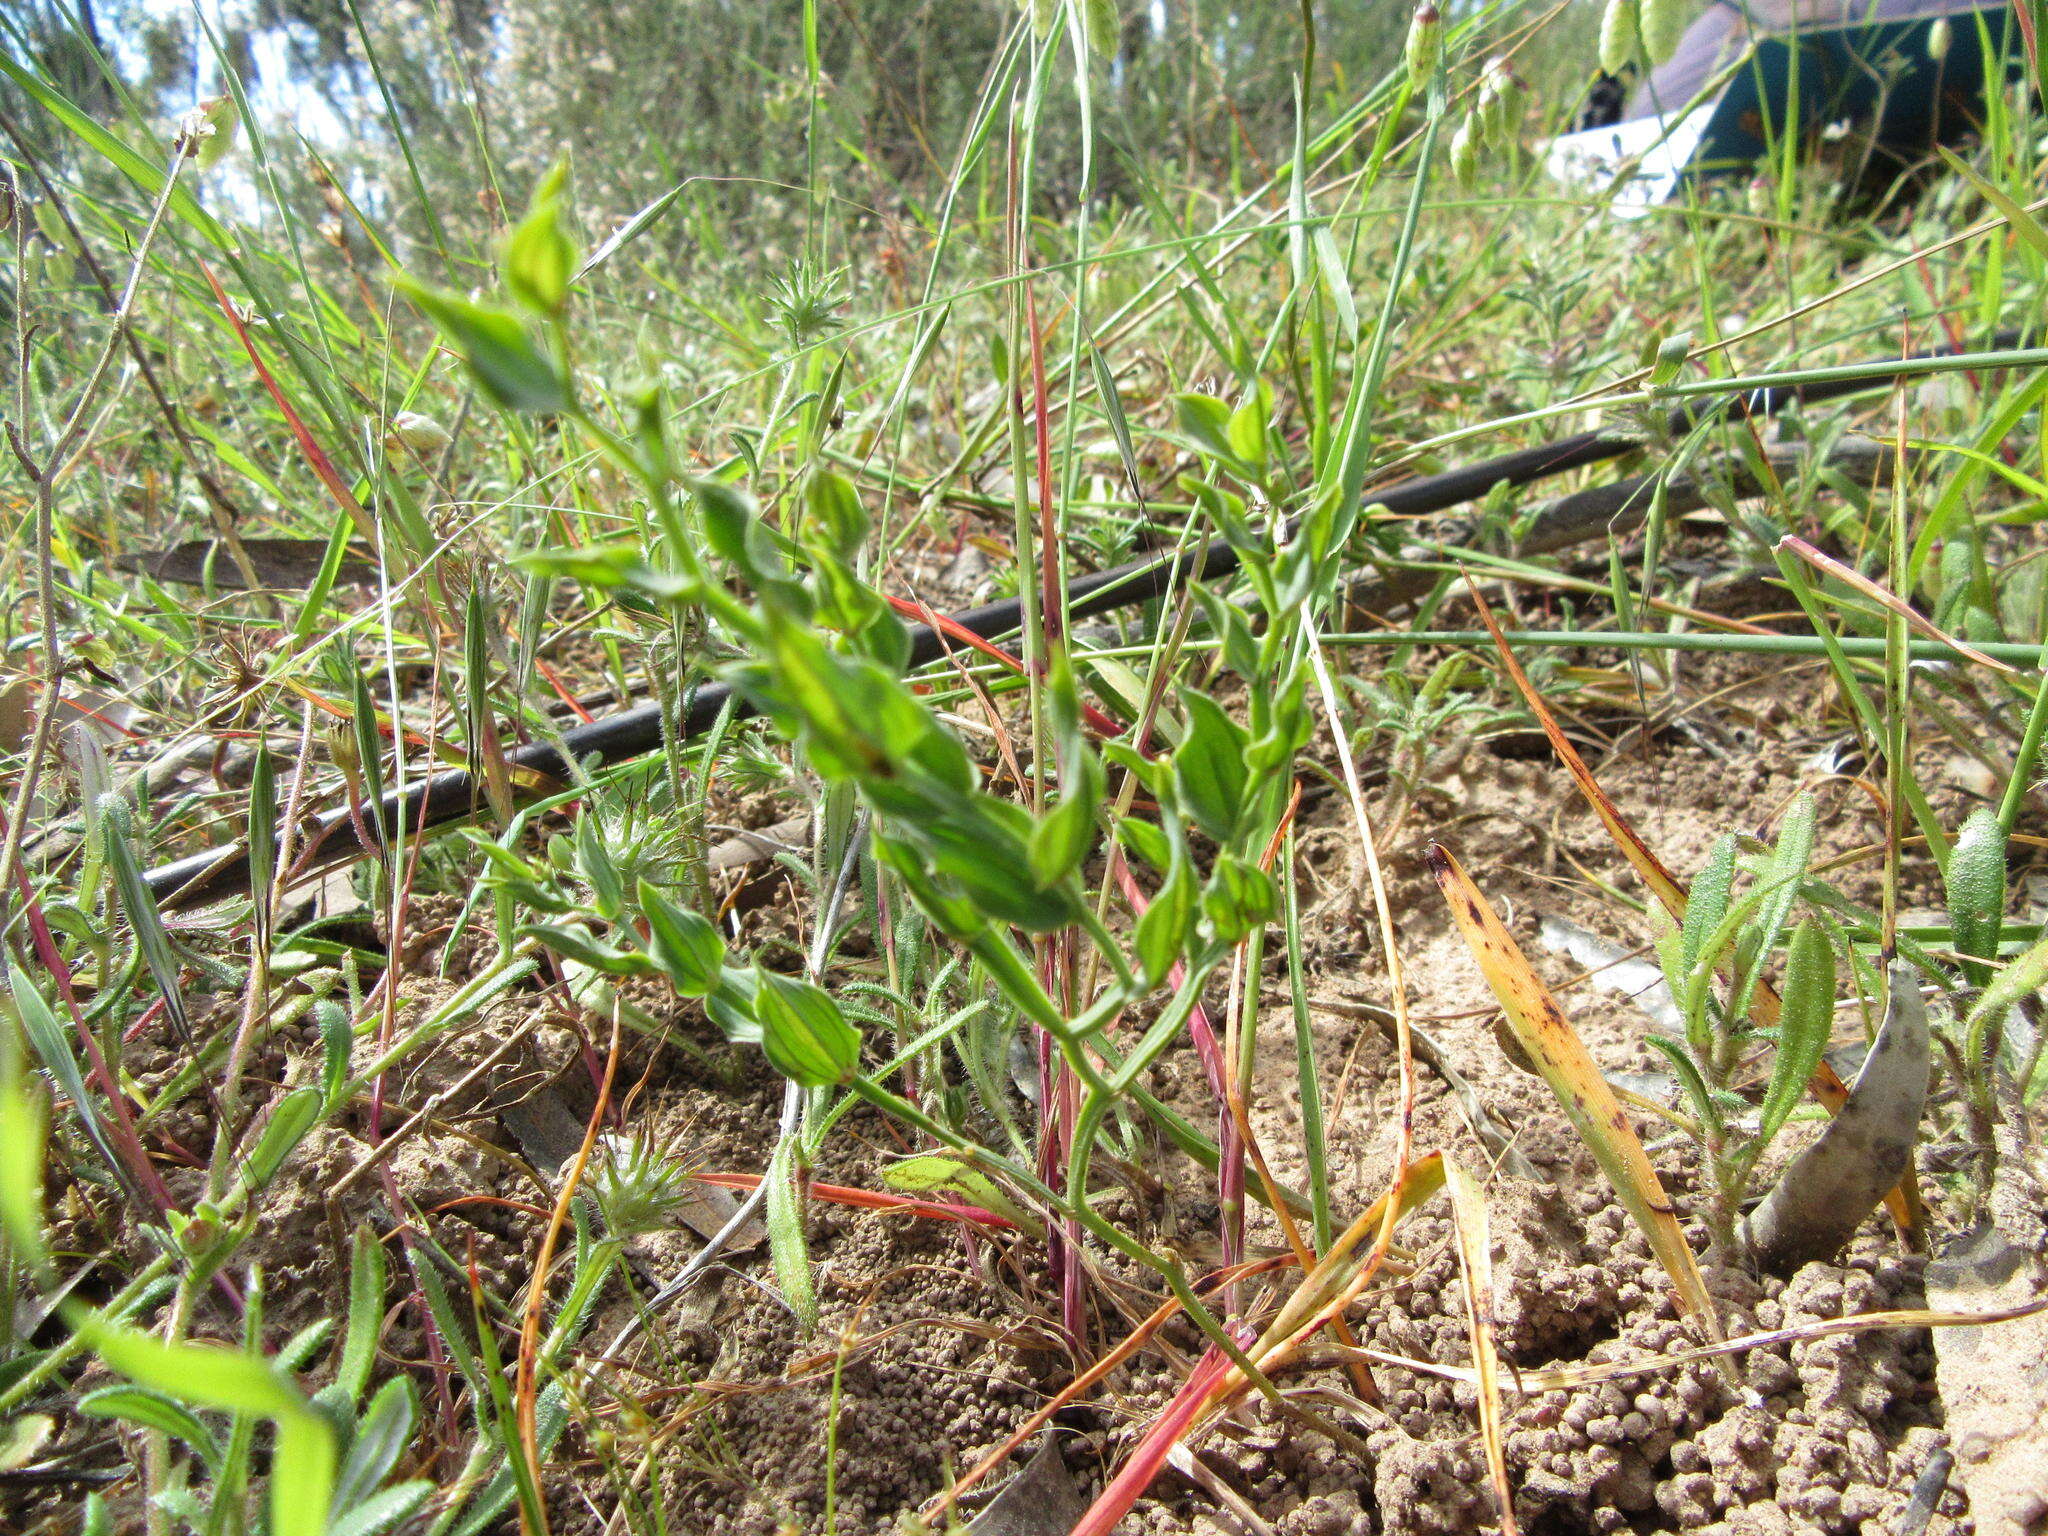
332,839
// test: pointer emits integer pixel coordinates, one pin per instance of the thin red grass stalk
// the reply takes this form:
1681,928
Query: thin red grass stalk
316,456
554,681
127,1141
1137,1473
935,1512
952,629
874,1200
526,1387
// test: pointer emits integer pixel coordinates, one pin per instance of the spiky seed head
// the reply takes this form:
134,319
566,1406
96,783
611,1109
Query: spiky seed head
806,302
637,1187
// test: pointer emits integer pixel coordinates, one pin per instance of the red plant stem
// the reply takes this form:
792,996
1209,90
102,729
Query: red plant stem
126,1139
315,455
1136,1474
1096,720
875,1200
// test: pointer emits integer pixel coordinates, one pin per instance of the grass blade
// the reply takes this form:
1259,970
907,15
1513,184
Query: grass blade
1582,1092
1475,1267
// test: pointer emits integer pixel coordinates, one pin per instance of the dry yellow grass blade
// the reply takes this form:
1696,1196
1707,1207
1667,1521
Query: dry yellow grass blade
1826,1085
1475,1264
1338,1276
1557,1053
1571,1378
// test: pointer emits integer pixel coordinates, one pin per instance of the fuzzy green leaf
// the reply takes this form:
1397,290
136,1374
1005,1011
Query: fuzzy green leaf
1805,1021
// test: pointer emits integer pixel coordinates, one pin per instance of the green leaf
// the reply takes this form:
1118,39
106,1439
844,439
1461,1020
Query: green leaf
1778,891
381,1511
1246,429
1706,905
685,943
1210,766
1976,892
294,1116
22,1135
540,259
919,1175
787,1249
1205,421
382,1438
805,1035
507,365
140,907
47,1039
1063,835
1147,841
594,862
576,942
1162,933
1240,897
302,1469
1805,1022
836,513
153,1410
365,1313
2024,224
337,1043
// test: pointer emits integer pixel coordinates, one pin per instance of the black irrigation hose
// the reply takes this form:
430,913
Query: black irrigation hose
219,873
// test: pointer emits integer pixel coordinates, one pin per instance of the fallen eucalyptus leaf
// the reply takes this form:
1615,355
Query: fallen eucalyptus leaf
1042,1500
284,563
1823,1196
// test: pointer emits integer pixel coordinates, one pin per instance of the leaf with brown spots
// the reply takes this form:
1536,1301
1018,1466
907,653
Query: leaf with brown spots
1550,1042
1826,1085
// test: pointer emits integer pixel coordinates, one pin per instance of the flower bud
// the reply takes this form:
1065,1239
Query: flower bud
1939,35
1425,42
1465,153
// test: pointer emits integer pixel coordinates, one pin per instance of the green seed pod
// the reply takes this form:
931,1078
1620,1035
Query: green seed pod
1425,42
1663,23
1465,153
1939,36
1976,892
1499,107
1617,35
